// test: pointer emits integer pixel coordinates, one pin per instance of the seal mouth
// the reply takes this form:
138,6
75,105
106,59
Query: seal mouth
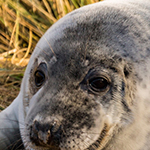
102,139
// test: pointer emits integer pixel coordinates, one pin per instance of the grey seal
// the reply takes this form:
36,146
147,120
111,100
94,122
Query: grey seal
87,85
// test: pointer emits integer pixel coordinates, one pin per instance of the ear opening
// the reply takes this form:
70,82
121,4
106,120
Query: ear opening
127,71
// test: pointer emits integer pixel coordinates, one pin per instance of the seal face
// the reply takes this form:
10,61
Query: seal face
73,102
86,86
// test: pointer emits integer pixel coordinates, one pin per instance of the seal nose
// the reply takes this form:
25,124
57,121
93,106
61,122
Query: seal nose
46,134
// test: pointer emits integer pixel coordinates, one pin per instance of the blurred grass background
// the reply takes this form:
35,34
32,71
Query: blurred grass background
22,23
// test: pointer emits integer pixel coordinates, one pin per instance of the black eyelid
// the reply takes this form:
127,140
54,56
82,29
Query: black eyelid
39,78
40,74
42,66
96,87
99,76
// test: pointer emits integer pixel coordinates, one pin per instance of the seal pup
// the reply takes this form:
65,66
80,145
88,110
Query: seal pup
87,85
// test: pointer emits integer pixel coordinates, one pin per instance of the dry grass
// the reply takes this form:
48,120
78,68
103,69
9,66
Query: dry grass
22,24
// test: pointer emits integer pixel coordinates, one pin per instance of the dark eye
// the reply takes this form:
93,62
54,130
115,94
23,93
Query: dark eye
39,78
98,84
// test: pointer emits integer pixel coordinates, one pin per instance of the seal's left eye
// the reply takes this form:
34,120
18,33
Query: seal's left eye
39,78
98,84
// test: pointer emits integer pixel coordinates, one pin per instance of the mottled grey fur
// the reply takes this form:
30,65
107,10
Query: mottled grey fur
110,39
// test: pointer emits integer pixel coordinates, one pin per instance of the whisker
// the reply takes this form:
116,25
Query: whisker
86,47
43,50
93,145
90,138
90,132
19,146
76,144
87,145
26,134
11,128
12,120
14,144
48,44
6,139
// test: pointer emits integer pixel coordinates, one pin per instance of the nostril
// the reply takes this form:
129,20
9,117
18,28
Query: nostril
56,132
55,126
34,132
46,133
36,125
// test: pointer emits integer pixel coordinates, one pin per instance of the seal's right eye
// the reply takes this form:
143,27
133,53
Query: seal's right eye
39,78
98,84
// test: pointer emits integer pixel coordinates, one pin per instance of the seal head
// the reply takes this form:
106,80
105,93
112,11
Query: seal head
81,88
85,87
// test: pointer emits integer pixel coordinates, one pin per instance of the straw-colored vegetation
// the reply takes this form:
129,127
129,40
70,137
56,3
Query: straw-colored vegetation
22,23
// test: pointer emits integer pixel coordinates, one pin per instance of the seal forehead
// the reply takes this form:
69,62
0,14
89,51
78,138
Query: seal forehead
81,29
